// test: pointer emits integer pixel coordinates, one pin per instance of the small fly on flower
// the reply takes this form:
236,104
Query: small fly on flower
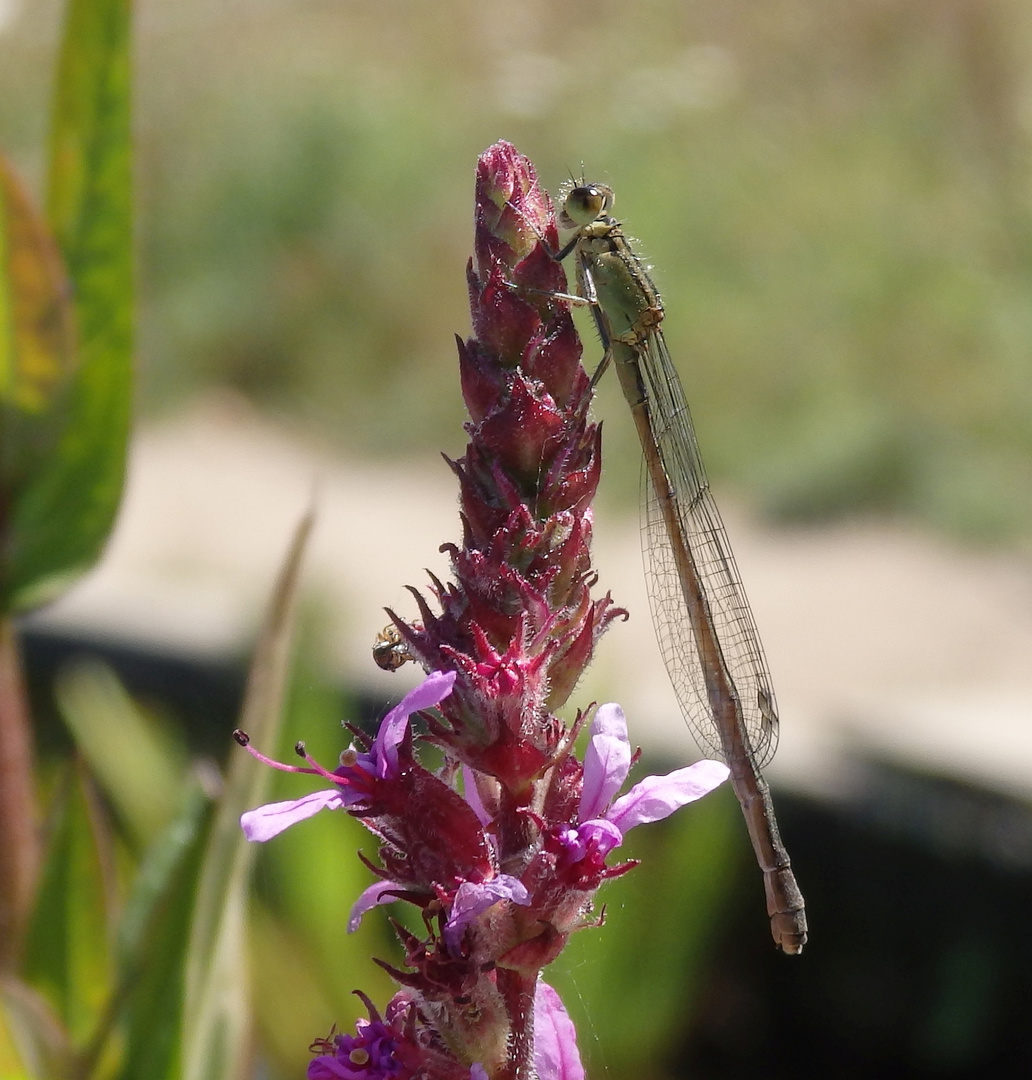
389,649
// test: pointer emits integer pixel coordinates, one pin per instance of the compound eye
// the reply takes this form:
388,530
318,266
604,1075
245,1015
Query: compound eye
586,203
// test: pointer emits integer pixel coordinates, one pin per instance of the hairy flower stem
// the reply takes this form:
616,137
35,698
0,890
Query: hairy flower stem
517,991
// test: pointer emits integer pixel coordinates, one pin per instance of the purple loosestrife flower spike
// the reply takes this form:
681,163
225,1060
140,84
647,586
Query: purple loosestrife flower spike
518,625
504,847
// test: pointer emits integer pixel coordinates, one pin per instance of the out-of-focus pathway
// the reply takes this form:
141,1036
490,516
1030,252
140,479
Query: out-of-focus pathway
879,637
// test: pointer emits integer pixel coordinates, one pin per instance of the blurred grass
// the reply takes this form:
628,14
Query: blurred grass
304,963
836,198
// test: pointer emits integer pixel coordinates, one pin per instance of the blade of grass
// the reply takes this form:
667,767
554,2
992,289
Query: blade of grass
68,957
215,1012
152,947
138,764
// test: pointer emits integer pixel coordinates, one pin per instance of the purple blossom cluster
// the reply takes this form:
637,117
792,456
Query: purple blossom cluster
504,847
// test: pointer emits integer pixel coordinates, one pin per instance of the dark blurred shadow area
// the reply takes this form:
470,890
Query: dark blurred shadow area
918,889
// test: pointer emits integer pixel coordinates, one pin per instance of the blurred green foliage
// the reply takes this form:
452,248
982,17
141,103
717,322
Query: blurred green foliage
835,196
135,963
66,306
65,389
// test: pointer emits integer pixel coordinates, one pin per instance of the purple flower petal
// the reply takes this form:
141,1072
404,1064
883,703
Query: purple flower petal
477,1071
380,892
555,1040
657,797
469,786
474,898
606,761
431,691
265,822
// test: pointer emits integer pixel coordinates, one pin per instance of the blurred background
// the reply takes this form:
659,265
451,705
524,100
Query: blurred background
836,199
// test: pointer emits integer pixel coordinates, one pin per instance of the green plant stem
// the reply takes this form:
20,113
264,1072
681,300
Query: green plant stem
19,837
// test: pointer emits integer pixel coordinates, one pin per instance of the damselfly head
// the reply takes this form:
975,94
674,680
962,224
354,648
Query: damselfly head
584,203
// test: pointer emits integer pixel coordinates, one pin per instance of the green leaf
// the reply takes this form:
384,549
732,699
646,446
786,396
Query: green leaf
37,341
37,355
216,1013
61,518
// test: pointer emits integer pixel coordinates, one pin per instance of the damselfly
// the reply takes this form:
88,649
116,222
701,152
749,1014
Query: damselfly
705,626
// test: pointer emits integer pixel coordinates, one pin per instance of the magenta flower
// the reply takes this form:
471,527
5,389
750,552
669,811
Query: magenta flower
586,821
352,780
369,1054
603,823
